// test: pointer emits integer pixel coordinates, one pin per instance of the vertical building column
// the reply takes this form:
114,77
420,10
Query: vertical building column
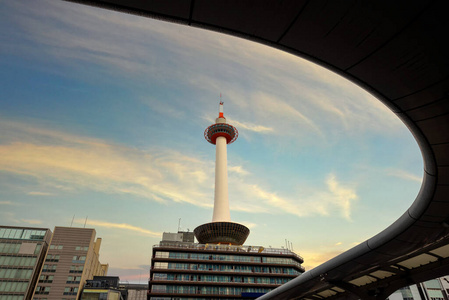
221,201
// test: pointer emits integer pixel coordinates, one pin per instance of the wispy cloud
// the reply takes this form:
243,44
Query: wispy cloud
251,127
316,258
238,170
123,226
342,196
250,225
31,221
304,92
329,199
40,194
162,175
404,175
61,159
7,203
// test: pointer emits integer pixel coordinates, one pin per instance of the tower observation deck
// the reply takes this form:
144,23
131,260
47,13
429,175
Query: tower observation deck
221,230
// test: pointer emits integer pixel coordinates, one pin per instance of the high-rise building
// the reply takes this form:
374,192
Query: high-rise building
22,252
219,266
72,258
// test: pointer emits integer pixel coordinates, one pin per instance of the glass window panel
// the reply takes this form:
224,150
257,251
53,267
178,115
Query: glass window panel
13,286
38,248
26,234
433,284
18,234
8,273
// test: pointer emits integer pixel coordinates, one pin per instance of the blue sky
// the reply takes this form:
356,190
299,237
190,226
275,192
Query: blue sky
102,117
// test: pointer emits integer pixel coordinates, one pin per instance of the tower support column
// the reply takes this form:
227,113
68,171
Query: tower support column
221,200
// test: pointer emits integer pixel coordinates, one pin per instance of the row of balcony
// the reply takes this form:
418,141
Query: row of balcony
231,248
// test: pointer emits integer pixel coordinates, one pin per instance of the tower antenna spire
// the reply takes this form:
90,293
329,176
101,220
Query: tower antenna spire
220,109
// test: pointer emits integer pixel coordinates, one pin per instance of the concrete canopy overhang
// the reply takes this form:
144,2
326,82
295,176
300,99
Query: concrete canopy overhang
398,51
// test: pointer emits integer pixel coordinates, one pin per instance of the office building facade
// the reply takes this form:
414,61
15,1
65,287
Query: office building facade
72,258
183,270
22,253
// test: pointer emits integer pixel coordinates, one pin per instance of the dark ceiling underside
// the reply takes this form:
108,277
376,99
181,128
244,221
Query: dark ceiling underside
398,51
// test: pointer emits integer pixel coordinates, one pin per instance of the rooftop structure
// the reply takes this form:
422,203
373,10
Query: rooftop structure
103,288
221,230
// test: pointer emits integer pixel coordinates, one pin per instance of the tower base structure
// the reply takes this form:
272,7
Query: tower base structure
221,233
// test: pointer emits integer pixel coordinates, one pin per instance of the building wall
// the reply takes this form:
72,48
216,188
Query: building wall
137,294
22,252
72,258
445,283
135,291
208,271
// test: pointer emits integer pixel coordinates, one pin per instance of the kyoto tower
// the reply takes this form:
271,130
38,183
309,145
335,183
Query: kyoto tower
221,230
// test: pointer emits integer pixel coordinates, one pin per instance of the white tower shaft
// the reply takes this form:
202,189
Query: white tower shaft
221,201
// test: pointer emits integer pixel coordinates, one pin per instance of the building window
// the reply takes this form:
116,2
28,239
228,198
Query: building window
56,247
13,286
52,258
79,259
76,269
70,291
38,249
43,290
22,261
46,278
9,248
81,248
49,268
73,279
7,273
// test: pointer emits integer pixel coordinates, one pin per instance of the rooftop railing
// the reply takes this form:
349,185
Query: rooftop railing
230,248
